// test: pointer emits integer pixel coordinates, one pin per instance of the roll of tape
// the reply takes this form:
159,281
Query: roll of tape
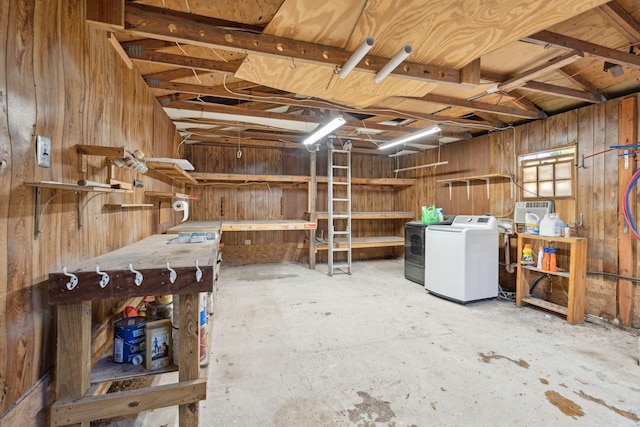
182,206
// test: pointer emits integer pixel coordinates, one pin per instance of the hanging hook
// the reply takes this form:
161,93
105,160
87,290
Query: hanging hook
293,64
172,274
73,281
139,278
198,273
246,57
104,280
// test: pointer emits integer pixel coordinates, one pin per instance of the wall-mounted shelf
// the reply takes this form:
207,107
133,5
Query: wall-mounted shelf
371,215
128,205
172,171
65,189
467,180
168,195
205,178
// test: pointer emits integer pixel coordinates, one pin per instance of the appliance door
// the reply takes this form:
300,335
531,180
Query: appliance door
414,245
444,272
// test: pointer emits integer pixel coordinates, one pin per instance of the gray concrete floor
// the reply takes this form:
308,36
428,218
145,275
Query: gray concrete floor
294,347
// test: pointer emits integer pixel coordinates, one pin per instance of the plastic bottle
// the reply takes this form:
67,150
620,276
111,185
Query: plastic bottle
540,256
546,259
567,230
527,256
552,260
531,223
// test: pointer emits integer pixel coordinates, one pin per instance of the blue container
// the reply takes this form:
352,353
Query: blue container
128,338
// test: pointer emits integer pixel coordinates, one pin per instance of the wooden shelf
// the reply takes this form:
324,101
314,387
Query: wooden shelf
172,171
371,215
576,275
128,205
268,225
167,195
65,188
360,243
467,180
205,178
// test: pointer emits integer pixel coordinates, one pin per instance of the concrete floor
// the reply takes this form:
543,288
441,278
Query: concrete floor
295,347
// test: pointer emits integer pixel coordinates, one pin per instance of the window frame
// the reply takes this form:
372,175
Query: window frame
558,155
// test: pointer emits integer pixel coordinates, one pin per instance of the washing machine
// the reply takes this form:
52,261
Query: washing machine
461,259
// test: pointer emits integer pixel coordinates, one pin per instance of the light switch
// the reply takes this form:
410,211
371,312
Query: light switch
43,151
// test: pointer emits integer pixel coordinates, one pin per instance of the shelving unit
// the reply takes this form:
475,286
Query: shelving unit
172,170
64,188
576,275
467,180
75,378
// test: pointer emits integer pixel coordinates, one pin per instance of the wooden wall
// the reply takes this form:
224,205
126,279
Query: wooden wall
593,129
62,80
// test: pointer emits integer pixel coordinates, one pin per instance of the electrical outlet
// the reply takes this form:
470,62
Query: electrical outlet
43,151
247,242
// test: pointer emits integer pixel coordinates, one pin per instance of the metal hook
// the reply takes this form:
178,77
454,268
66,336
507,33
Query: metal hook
198,273
246,57
104,280
73,281
293,64
139,278
172,274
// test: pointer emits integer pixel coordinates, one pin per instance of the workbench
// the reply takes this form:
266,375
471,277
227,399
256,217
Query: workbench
248,225
139,269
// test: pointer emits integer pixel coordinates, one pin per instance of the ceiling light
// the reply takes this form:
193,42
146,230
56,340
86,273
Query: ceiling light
413,136
393,63
356,57
324,130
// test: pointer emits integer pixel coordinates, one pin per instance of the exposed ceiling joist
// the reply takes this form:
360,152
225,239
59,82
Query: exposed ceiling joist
582,82
564,92
621,19
558,41
482,106
166,24
541,70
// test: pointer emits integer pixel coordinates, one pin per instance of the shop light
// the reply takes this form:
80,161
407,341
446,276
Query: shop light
411,137
324,130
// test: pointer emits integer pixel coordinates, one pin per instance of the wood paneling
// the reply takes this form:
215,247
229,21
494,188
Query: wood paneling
64,81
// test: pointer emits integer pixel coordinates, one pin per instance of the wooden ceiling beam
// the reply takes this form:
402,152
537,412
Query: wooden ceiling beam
233,142
585,84
232,110
191,62
540,70
175,74
558,41
561,91
165,24
483,106
264,135
490,119
521,99
617,16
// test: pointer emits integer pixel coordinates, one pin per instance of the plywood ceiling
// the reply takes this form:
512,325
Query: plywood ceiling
265,70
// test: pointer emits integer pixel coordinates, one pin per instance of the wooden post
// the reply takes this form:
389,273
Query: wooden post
626,135
313,217
73,363
189,348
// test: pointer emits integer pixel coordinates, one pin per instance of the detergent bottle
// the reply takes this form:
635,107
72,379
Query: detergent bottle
531,223
551,225
527,256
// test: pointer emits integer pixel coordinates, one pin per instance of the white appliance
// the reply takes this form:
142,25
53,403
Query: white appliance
461,259
540,208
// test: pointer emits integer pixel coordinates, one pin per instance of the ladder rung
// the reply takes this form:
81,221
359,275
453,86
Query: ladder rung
340,199
340,216
340,233
339,151
340,249
340,167
340,183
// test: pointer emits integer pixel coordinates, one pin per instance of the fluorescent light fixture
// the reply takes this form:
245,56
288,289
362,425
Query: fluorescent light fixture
356,57
325,130
393,63
412,136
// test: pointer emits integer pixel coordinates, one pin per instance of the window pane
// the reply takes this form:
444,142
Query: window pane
530,189
563,188
563,170
529,174
545,173
545,189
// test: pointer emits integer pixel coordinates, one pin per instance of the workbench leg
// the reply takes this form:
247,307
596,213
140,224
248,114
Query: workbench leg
189,348
73,350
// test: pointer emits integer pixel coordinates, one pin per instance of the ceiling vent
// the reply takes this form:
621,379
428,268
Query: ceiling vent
539,208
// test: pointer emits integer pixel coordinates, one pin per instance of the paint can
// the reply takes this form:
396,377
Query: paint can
128,338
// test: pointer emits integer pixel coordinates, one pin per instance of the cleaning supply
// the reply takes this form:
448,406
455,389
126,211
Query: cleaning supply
546,259
531,223
540,256
552,260
527,256
567,230
551,225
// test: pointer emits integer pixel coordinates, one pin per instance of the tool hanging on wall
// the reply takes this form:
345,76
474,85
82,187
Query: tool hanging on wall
104,280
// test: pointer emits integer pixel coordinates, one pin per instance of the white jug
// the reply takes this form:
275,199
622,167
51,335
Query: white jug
551,225
531,223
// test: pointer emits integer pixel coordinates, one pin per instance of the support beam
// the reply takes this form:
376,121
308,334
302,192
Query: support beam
624,22
470,73
541,70
582,82
191,62
482,106
592,50
564,92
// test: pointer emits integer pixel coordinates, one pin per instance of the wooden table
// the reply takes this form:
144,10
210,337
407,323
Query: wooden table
148,257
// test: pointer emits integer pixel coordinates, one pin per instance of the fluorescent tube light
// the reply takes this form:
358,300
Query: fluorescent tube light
412,136
356,57
325,130
393,63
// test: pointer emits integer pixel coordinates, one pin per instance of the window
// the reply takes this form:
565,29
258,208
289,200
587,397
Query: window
547,174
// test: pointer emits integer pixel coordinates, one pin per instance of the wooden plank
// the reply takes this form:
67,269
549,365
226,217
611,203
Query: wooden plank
470,73
189,350
196,227
166,195
365,242
119,50
539,71
374,215
483,106
99,150
546,305
128,205
173,171
28,410
109,12
627,134
129,402
267,225
562,91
